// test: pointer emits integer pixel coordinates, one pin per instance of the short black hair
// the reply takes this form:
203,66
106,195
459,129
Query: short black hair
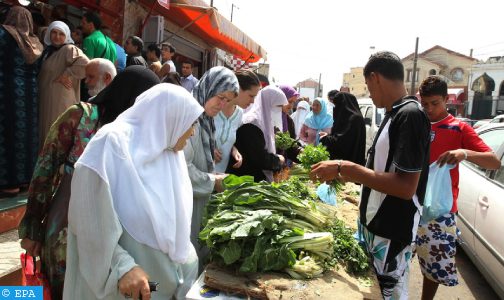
94,18
169,46
137,42
247,79
385,63
188,62
433,86
155,48
332,94
173,78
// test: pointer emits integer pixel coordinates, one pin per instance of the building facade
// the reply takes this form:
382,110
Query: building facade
355,83
486,88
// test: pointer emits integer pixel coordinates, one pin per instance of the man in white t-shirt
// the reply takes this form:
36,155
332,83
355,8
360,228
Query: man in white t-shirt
167,52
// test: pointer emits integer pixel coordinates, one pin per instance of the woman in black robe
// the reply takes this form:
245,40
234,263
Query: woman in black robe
347,139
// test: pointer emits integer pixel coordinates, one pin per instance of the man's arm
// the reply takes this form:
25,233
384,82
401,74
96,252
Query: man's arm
401,184
486,160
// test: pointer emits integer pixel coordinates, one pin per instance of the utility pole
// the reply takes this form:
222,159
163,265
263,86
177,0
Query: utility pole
318,89
413,76
232,9
211,3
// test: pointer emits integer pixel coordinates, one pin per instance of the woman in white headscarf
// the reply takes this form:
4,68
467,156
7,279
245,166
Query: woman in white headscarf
129,218
299,116
216,87
63,67
255,139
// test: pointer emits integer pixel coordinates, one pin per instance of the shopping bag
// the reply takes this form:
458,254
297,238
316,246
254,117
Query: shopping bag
327,194
438,198
33,277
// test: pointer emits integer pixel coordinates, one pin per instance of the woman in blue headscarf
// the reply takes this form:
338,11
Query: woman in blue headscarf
318,120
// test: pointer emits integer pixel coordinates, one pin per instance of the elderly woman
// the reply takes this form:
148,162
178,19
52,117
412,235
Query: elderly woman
43,229
317,121
19,51
255,139
63,67
130,211
216,87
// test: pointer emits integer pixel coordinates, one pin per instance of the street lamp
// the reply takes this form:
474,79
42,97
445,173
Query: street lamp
232,9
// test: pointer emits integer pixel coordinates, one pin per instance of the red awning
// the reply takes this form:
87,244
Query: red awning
209,25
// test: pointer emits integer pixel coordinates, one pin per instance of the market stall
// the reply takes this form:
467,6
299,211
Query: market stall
279,241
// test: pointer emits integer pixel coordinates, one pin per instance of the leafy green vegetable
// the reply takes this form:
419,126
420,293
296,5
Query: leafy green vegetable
263,227
312,154
283,140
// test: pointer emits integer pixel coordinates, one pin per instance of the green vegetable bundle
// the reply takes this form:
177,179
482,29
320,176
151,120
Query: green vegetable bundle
283,141
312,154
267,227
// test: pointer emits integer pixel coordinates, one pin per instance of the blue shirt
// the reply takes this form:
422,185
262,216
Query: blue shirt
189,82
121,58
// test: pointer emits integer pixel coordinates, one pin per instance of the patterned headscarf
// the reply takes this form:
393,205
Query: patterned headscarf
215,81
19,24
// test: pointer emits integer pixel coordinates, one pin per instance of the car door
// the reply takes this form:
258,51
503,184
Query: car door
489,221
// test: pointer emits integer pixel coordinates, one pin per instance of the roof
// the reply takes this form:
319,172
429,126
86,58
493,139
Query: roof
437,47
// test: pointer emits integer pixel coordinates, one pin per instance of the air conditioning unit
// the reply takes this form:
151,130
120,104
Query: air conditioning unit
153,30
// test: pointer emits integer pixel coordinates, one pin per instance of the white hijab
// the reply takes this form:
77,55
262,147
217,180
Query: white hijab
264,111
299,116
61,26
149,184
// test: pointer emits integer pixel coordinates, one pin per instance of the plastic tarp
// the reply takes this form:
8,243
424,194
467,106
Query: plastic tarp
206,23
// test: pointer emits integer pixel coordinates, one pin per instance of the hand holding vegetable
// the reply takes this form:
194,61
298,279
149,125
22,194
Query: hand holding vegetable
218,182
330,170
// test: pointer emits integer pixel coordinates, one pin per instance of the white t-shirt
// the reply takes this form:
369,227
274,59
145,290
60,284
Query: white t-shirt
172,66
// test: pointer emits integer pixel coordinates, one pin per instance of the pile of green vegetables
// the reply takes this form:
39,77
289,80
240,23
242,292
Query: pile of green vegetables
283,141
312,155
258,227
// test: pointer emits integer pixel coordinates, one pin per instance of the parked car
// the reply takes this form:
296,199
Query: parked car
496,120
481,211
481,122
467,120
373,117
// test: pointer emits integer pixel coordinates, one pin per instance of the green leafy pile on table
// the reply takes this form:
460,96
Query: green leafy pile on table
259,227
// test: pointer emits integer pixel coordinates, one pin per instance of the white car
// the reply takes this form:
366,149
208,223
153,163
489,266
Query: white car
481,211
373,117
495,120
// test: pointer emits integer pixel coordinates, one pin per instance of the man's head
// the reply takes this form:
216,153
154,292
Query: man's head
434,96
153,52
99,74
133,45
384,74
167,51
90,22
331,95
187,68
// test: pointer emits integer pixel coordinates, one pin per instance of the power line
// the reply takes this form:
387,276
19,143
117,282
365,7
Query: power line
490,45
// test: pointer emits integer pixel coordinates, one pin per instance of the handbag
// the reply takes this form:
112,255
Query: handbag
33,277
438,194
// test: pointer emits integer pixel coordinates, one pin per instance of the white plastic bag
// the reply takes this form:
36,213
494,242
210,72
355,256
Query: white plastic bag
438,198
